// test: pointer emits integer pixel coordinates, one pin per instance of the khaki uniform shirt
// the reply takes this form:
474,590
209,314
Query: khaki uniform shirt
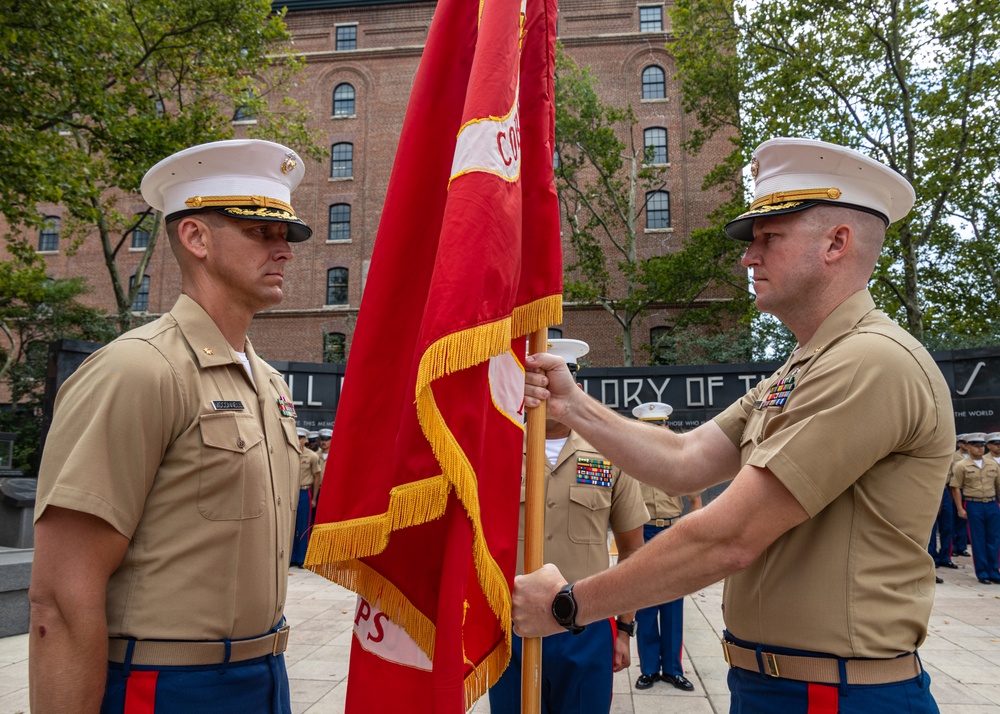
308,468
578,514
162,434
858,426
659,504
976,482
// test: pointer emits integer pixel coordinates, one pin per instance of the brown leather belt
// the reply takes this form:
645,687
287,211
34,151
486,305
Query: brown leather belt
824,670
662,522
169,653
980,500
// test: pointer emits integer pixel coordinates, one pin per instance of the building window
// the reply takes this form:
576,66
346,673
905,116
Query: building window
245,111
334,348
343,100
555,333
141,302
654,85
651,19
340,222
48,235
347,38
342,160
336,286
661,346
656,140
143,230
658,209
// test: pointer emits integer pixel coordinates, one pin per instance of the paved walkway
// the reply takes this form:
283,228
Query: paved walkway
962,652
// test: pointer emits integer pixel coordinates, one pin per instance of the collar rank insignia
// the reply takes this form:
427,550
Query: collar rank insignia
596,472
286,407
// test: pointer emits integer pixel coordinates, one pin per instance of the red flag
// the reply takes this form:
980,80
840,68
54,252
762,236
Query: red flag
419,506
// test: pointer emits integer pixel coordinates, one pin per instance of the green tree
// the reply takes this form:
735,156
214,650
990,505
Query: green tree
913,83
35,310
604,175
95,93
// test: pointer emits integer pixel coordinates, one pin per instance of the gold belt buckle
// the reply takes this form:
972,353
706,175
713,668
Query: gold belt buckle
280,641
770,664
725,651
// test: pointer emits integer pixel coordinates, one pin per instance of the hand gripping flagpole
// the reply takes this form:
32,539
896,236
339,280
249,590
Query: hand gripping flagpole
534,524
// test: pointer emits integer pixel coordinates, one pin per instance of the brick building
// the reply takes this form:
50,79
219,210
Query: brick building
361,58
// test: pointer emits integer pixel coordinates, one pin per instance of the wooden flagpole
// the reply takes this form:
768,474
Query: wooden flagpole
534,525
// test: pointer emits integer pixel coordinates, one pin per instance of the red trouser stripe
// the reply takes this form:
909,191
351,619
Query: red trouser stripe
822,699
140,692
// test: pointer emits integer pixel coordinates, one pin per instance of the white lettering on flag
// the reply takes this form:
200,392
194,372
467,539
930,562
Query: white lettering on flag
383,638
491,145
507,386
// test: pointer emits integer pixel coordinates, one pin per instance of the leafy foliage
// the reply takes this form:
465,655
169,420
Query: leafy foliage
914,84
96,92
35,310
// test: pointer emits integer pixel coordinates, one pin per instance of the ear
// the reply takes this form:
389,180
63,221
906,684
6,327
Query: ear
193,235
840,241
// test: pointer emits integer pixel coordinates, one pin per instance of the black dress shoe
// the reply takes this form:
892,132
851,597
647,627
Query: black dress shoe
995,581
985,581
948,565
963,553
646,681
678,680
938,580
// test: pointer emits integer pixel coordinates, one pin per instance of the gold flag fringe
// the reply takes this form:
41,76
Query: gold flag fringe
334,548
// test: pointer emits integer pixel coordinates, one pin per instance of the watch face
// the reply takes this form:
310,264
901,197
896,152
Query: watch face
562,608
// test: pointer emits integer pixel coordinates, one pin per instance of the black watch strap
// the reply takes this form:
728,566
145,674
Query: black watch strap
628,627
564,609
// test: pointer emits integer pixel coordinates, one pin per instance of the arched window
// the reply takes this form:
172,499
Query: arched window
654,84
658,209
343,100
48,234
340,222
656,139
141,302
334,348
342,160
336,286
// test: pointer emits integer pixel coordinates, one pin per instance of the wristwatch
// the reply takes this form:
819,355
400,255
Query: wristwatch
628,627
564,609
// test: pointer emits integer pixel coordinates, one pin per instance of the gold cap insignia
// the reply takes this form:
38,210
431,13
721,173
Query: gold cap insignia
289,164
754,166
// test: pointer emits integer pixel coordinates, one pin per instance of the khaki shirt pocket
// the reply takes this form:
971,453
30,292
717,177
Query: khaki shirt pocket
589,513
234,468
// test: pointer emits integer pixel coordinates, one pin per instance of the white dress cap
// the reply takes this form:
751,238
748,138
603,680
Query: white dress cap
241,178
313,434
993,436
976,437
794,174
652,411
303,433
570,350
325,433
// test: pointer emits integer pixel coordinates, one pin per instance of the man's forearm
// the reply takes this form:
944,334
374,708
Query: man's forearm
67,662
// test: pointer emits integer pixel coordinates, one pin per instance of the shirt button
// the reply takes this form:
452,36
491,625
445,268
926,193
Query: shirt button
282,553
240,443
551,504
548,537
760,438
271,449
279,500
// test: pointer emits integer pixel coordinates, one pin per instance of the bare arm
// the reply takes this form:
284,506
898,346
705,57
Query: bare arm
695,500
956,496
674,463
628,543
75,555
705,546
